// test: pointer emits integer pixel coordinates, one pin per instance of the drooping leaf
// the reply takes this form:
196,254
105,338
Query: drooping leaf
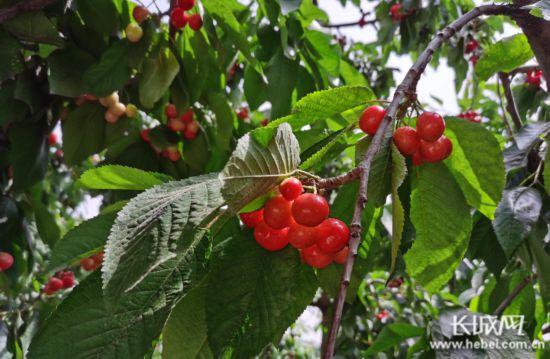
484,245
517,213
504,55
158,74
101,15
320,157
65,71
441,218
110,73
327,55
34,27
254,88
83,133
477,164
121,178
399,171
225,117
393,334
281,75
28,155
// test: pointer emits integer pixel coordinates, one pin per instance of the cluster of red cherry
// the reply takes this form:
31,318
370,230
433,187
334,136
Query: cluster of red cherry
472,47
93,262
534,78
471,115
426,143
178,17
6,261
61,280
300,219
396,14
184,124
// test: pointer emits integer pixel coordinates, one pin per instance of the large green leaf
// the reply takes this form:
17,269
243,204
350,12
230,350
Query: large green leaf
441,218
158,74
393,334
326,54
247,285
281,75
28,154
100,15
225,117
477,164
254,88
110,73
517,213
504,55
85,239
66,68
398,173
83,133
34,27
328,103
121,178
11,60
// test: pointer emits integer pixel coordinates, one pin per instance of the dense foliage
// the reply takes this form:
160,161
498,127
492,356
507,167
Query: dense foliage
182,120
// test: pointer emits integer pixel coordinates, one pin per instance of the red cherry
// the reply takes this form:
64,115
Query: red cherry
333,235
406,140
534,78
172,153
88,264
178,18
474,59
314,257
277,212
471,46
382,315
417,158
140,13
188,116
342,256
52,139
269,238
176,125
171,111
395,12
48,290
251,219
371,118
67,278
195,22
54,284
430,126
189,135
291,188
243,113
144,134
264,122
301,236
6,261
471,116
395,283
310,209
186,4
436,151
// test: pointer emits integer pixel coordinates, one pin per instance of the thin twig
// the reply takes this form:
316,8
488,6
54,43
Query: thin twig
524,70
405,92
24,6
513,294
360,23
510,102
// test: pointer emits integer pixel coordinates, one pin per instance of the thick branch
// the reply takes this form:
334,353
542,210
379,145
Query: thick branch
510,102
22,7
513,294
406,89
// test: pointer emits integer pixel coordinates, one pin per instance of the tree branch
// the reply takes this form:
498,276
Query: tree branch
360,22
510,102
513,294
524,70
404,92
11,12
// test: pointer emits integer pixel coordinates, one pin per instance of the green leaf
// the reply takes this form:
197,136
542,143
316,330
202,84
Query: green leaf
34,27
85,239
158,74
541,259
504,55
441,218
288,6
320,157
517,213
27,91
11,110
100,15
11,60
121,178
110,73
249,284
484,245
185,332
45,223
393,334
352,76
28,154
546,172
399,171
328,103
66,68
477,164
281,75
83,133
225,117
10,214
327,55
254,88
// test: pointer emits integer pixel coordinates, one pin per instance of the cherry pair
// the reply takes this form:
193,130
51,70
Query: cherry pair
93,262
61,280
185,124
471,116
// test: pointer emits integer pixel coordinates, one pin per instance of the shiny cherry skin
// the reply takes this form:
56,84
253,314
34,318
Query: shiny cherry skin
178,18
395,12
406,140
188,116
277,212
88,264
251,219
6,261
195,22
291,188
310,209
171,111
471,46
417,158
55,284
186,4
342,255
430,126
333,235
140,13
371,118
436,151
269,238
301,236
67,278
316,258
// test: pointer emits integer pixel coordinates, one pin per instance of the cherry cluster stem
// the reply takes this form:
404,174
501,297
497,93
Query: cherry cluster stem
404,93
